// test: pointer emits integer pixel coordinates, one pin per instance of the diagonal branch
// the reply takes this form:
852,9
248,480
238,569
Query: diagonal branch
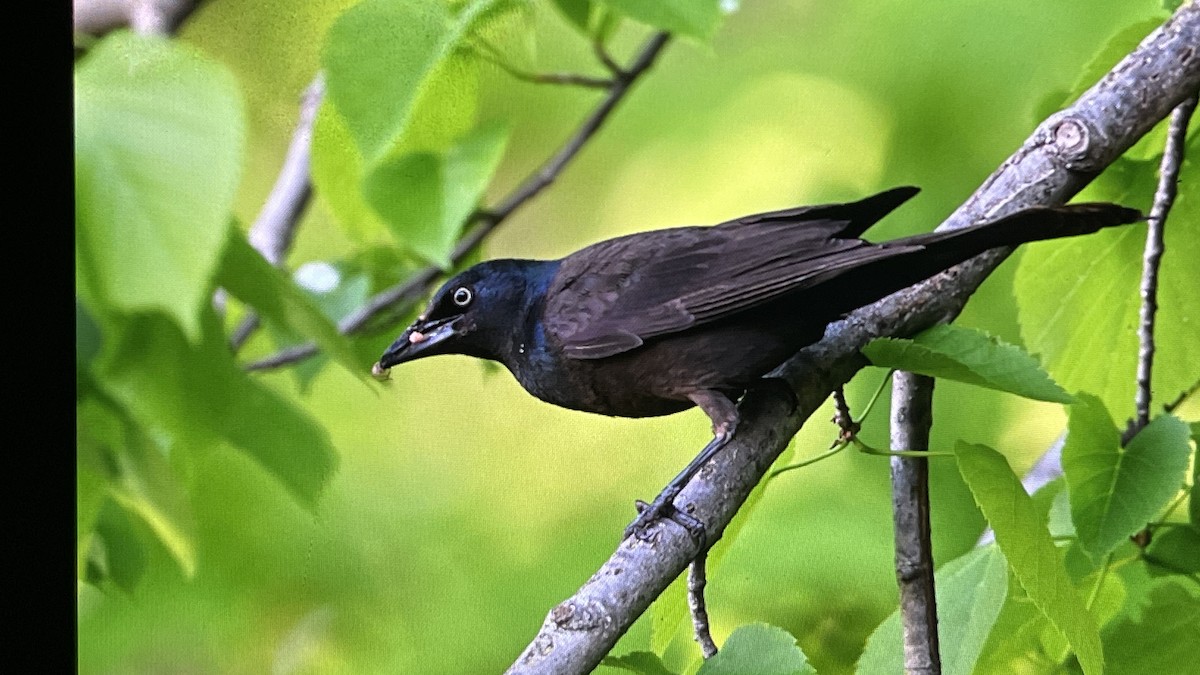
396,299
1064,153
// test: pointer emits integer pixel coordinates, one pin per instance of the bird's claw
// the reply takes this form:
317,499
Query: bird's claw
663,507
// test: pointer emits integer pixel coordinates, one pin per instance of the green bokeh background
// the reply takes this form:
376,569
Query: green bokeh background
464,509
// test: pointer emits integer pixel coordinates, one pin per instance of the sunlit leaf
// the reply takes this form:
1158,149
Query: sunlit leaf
970,592
1115,491
694,18
382,84
760,649
1078,298
971,356
254,281
158,148
1031,554
337,172
425,198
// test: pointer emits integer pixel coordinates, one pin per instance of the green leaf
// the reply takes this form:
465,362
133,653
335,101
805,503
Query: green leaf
577,12
337,173
1078,298
758,649
1176,549
1115,491
158,152
971,590
645,663
117,553
254,281
971,356
425,198
120,460
694,18
1031,554
400,76
1171,5
1162,637
198,396
1194,497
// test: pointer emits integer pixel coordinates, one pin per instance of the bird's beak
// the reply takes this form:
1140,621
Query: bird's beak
421,339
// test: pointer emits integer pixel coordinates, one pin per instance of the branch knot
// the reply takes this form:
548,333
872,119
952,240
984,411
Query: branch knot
583,616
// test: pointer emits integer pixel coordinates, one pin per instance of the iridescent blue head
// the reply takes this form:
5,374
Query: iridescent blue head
478,313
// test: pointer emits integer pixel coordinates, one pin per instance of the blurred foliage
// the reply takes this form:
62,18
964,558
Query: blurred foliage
312,521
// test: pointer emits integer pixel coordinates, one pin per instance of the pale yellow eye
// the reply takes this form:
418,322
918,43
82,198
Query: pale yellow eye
462,296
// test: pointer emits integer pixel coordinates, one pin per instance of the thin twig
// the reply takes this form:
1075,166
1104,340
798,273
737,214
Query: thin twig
697,580
912,418
496,58
148,17
395,299
1164,198
848,428
275,228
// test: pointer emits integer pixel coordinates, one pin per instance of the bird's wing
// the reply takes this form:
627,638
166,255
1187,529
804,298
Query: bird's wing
610,297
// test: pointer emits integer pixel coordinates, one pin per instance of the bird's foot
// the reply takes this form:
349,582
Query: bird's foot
664,507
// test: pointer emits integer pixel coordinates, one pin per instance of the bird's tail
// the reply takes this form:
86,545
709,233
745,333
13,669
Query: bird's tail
1034,224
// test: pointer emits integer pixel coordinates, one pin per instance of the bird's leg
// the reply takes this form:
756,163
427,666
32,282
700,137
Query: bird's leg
723,412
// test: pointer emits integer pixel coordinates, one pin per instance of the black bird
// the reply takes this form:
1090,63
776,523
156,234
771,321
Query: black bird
656,322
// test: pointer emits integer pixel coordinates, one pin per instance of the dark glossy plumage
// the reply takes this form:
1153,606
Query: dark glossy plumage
655,322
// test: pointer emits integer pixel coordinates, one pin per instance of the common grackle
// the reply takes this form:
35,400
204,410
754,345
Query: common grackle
656,322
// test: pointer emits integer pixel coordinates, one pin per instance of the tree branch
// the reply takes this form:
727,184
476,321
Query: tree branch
1164,197
912,417
416,286
275,228
1064,153
149,17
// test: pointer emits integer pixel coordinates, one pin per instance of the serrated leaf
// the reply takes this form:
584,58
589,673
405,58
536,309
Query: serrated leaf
158,151
971,356
971,591
645,663
198,396
1175,549
1115,491
250,278
694,18
1162,638
758,649
1031,554
1078,298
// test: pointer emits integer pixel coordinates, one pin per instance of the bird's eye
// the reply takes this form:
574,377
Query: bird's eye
462,296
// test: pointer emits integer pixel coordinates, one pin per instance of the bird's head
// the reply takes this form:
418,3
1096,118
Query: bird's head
476,313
